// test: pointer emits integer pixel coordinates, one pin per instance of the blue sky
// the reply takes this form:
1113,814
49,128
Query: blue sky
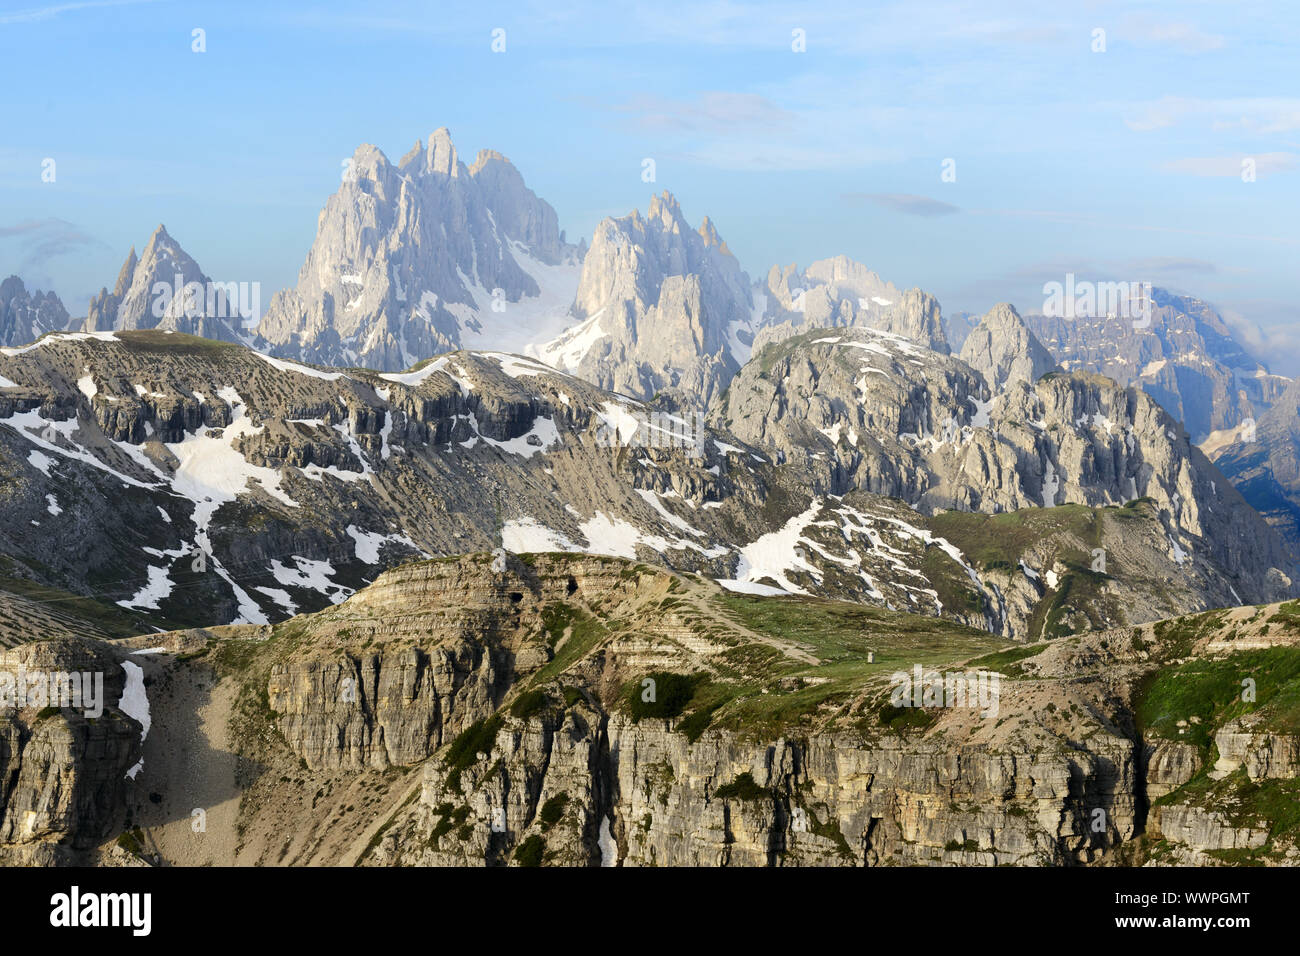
1121,164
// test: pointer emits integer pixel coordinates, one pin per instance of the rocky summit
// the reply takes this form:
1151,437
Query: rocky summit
423,256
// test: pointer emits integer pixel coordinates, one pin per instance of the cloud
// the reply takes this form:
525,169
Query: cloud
908,204
1231,166
36,14
43,239
1269,329
1110,224
751,132
1142,30
1168,266
1257,114
710,111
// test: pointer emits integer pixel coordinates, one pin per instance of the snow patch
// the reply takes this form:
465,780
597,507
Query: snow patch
135,703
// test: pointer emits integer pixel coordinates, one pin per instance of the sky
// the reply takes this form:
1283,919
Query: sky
802,130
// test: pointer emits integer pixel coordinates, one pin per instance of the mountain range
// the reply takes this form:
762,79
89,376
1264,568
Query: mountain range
492,481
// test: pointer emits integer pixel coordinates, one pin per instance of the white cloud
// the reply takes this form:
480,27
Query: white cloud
1231,166
1143,30
1262,114
36,14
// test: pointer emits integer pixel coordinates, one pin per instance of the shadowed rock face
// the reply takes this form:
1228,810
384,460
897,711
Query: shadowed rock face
1264,463
62,773
24,316
1186,358
423,257
180,482
540,755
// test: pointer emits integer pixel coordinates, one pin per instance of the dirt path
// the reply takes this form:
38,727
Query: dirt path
701,597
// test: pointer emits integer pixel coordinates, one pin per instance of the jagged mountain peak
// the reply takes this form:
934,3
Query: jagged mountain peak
487,157
157,289
709,233
27,315
859,409
440,156
1004,349
424,258
659,308
665,208
840,292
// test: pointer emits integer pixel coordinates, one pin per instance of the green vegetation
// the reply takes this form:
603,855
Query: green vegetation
1078,595
1204,693
694,724
999,541
531,852
830,830
477,738
1176,637
448,819
132,841
1272,805
671,694
742,788
901,719
951,582
67,611
764,691
1288,615
1006,662
175,343
553,811
584,631
530,703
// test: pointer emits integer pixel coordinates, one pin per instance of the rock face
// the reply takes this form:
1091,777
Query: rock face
1170,764
886,416
24,316
1263,754
1246,419
216,485
1186,359
165,289
643,795
587,783
490,711
837,293
1003,350
422,257
660,307
526,764
1263,461
63,774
